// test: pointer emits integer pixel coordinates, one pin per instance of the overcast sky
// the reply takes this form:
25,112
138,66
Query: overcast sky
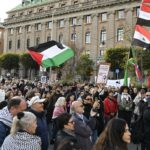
7,5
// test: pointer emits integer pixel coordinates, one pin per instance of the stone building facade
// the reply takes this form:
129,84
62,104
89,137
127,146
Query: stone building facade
2,29
89,26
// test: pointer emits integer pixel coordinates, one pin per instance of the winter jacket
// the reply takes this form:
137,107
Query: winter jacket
5,123
66,140
22,141
42,130
83,130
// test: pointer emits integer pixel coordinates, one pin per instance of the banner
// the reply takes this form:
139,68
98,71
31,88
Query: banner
103,73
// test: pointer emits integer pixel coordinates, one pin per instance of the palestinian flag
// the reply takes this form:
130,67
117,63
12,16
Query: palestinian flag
50,53
141,37
144,15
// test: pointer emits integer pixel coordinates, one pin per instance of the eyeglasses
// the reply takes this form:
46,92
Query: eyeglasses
88,99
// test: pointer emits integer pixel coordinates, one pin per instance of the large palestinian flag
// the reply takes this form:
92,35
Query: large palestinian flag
50,53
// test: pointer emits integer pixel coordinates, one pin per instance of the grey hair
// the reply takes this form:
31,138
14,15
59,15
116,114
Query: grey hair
60,101
23,123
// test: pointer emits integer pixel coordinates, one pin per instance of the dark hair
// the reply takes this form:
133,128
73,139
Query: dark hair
14,102
122,89
111,137
62,120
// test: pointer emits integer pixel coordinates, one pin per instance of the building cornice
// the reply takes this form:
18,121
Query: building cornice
65,10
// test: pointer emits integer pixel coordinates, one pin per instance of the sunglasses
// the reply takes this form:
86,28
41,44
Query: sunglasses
147,95
88,99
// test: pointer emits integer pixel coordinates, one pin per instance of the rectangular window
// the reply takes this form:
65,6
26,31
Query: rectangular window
38,26
10,44
37,41
19,30
48,38
11,31
73,37
18,44
28,27
28,43
87,38
137,11
49,24
103,36
74,21
88,19
61,23
121,14
120,34
104,17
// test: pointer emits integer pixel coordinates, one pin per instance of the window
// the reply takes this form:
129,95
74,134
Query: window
38,26
88,19
40,10
74,21
19,30
28,43
48,38
61,23
104,17
11,31
101,53
37,40
49,25
61,38
30,12
75,2
28,27
10,44
121,14
73,37
87,37
103,35
137,11
63,5
18,44
120,34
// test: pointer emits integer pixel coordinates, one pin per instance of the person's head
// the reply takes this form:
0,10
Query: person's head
24,121
116,133
37,104
61,101
124,89
65,121
16,105
9,95
110,93
77,107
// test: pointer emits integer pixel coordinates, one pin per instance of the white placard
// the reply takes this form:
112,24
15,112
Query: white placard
43,79
103,73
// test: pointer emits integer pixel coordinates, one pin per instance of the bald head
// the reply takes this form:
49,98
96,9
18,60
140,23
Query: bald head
77,107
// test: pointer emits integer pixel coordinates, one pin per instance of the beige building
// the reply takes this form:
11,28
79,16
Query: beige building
2,29
89,26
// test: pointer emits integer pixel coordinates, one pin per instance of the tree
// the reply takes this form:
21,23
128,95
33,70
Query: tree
9,61
85,67
28,62
117,57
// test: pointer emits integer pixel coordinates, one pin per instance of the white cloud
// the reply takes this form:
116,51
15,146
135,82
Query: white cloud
7,5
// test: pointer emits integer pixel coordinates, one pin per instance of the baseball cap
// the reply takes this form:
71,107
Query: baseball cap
35,99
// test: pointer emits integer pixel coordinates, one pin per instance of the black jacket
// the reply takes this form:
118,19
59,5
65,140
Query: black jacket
66,140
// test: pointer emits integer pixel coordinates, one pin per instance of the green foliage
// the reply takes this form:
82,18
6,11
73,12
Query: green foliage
85,67
117,57
27,61
9,61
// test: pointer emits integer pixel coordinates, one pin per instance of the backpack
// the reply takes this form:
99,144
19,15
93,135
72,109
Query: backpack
137,130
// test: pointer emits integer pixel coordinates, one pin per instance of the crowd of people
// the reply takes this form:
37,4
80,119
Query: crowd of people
71,117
